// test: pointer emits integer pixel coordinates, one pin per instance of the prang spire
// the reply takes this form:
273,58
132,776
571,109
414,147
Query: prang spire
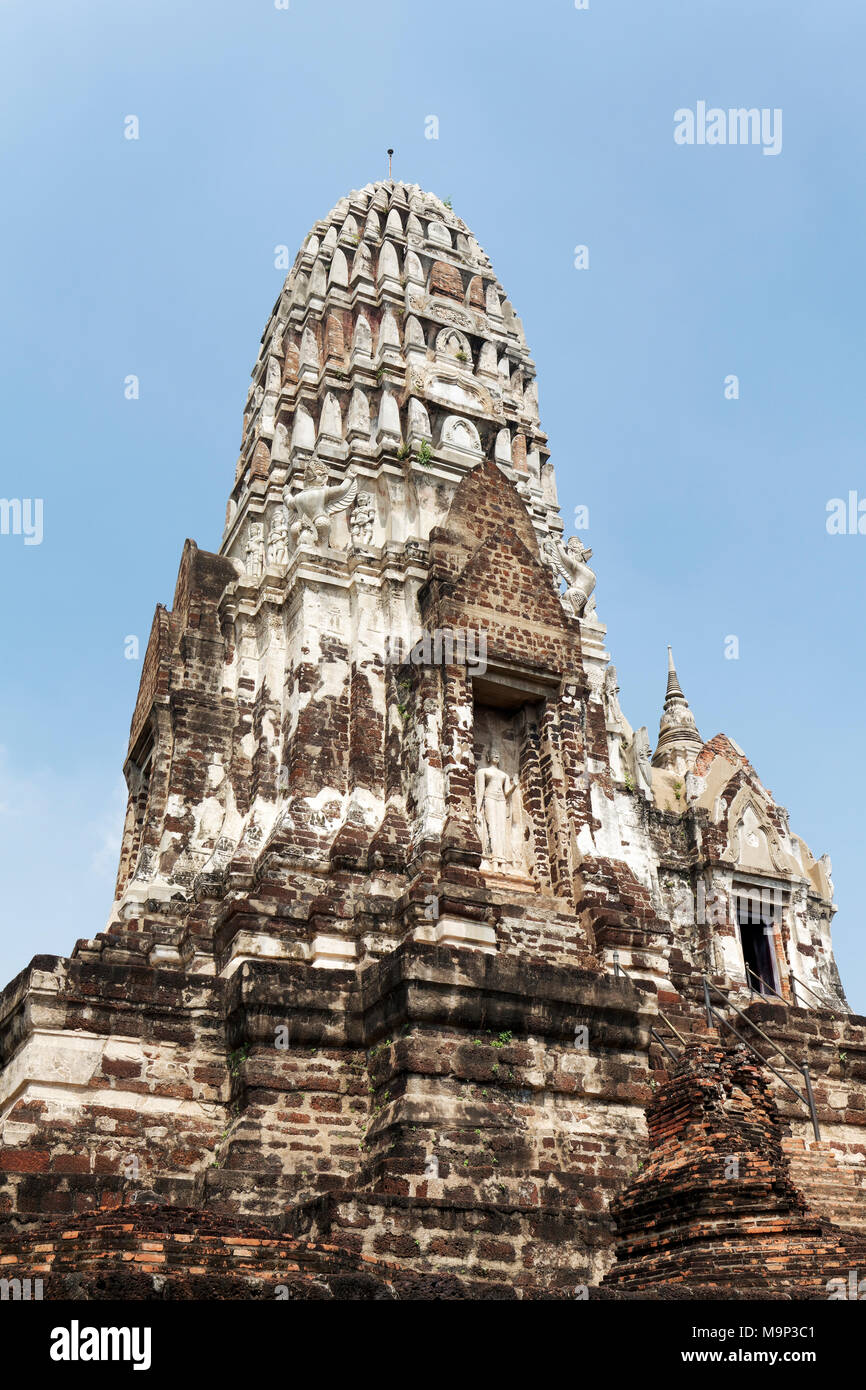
674,687
679,741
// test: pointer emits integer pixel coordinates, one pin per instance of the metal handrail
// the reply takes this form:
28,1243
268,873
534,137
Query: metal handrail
731,1005
661,1042
813,992
796,978
803,1068
764,982
808,1099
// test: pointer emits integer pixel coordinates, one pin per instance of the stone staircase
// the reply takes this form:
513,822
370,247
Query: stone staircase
690,1023
833,1188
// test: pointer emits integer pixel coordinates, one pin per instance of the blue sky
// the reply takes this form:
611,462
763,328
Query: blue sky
156,257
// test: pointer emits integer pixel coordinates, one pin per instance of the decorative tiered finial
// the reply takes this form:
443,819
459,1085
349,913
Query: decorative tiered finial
674,687
679,741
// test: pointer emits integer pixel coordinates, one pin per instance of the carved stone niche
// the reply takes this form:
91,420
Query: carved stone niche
508,793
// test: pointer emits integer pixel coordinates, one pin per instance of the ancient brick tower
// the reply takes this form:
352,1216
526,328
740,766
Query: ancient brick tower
390,839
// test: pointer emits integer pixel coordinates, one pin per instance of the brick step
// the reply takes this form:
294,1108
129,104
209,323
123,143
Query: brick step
833,1189
691,1034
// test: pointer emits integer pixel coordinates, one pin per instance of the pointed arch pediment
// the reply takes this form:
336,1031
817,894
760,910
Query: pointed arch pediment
753,841
487,574
483,503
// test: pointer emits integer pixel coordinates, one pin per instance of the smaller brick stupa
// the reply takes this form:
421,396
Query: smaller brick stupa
714,1210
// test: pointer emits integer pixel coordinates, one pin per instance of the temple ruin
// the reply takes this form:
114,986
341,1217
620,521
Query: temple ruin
412,928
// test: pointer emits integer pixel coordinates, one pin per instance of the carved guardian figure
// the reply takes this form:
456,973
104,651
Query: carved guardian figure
569,563
316,503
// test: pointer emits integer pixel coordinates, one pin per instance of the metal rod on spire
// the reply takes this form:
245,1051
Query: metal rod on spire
390,154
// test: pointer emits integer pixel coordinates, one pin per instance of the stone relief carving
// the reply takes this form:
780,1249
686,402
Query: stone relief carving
497,800
643,776
280,451
361,520
456,392
455,316
569,563
213,808
255,552
752,840
313,507
461,434
145,864
272,379
611,700
450,342
677,717
747,835
278,538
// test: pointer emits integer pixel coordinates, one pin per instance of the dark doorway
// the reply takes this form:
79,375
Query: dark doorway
755,933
